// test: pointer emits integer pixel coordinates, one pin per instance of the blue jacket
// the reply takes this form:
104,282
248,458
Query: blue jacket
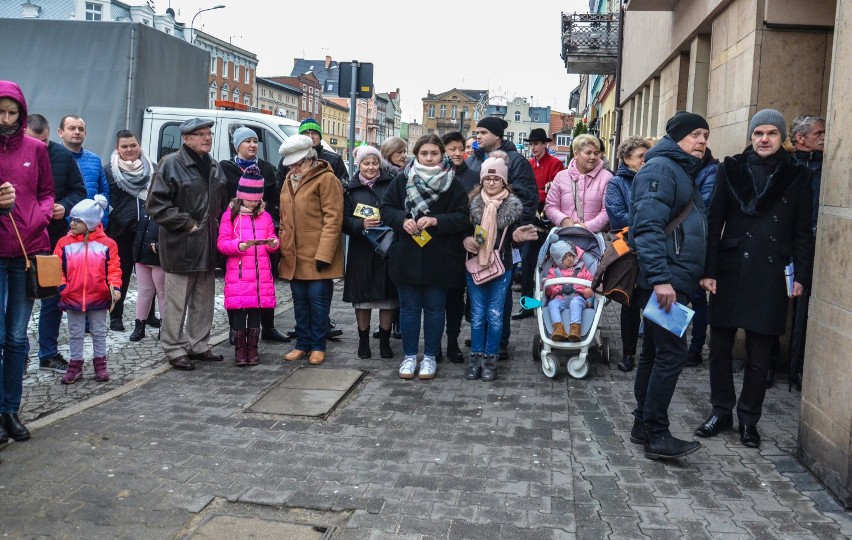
706,179
813,161
661,190
521,177
618,197
94,177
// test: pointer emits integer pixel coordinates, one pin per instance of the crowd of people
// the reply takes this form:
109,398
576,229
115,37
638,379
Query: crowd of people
431,238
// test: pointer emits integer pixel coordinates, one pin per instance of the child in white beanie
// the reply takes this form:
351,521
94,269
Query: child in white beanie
566,263
91,284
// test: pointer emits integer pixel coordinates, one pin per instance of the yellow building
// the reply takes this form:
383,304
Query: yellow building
335,125
454,110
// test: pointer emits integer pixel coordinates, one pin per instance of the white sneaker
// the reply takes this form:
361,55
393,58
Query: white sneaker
427,368
408,367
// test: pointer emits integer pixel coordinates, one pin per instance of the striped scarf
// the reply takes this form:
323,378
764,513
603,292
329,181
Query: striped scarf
425,185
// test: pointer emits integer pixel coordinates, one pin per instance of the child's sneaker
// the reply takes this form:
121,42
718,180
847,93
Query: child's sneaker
73,373
427,368
408,367
101,373
574,333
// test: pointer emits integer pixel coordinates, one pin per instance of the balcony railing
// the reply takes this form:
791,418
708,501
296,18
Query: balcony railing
590,42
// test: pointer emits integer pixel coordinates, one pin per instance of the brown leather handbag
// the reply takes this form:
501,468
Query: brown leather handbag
44,272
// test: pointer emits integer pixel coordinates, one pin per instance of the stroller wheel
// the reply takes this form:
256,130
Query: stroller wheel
577,367
537,347
605,350
549,365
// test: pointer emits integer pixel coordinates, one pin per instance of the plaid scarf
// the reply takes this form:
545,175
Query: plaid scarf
425,185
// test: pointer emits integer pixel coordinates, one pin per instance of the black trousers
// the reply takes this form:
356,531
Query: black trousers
723,396
125,256
245,318
631,317
455,312
799,333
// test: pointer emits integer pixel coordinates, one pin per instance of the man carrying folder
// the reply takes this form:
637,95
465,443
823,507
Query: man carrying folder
667,223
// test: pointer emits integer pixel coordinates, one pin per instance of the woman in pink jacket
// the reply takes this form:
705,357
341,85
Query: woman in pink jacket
576,195
246,238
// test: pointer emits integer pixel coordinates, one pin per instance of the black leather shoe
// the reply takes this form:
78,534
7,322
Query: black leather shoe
637,433
454,354
395,332
439,357
182,363
153,321
272,334
693,359
291,334
116,325
13,426
206,356
627,363
504,352
715,425
4,437
668,447
749,435
522,314
467,343
334,333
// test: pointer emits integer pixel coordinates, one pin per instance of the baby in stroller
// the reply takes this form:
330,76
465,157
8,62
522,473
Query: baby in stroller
567,259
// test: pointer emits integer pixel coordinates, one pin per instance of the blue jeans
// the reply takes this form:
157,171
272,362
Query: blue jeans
431,302
661,360
311,306
14,317
49,319
486,313
699,320
576,305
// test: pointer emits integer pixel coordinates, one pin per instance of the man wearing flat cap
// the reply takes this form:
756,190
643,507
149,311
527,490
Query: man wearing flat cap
760,219
187,199
667,227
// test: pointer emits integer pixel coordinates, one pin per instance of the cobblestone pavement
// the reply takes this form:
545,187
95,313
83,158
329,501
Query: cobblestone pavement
154,451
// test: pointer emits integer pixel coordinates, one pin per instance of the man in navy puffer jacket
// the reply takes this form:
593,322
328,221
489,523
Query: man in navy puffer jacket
670,266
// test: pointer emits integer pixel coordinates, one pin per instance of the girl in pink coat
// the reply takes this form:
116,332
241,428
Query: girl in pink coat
246,238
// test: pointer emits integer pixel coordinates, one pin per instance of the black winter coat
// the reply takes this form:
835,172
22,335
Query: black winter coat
661,190
752,237
69,187
126,210
440,263
271,191
521,177
468,177
366,273
147,234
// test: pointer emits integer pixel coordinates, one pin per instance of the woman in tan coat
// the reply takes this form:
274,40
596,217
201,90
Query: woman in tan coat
311,252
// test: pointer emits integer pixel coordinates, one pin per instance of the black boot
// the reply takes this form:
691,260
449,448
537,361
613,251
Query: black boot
489,367
13,426
454,354
395,333
385,350
364,343
627,363
232,337
138,331
474,367
668,447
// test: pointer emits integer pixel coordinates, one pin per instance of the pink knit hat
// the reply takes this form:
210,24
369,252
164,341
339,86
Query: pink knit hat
251,184
495,165
363,151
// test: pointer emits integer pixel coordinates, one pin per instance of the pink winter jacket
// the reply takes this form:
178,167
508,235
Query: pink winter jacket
555,291
592,190
248,274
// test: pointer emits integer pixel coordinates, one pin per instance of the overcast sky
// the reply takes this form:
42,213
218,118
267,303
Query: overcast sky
418,47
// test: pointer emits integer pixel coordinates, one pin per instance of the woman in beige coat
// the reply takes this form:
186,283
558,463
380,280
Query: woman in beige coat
311,252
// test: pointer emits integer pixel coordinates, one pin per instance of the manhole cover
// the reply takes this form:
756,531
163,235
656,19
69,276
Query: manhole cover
308,392
228,527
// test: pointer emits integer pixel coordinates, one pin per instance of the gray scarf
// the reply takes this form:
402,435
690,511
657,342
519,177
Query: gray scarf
135,183
425,185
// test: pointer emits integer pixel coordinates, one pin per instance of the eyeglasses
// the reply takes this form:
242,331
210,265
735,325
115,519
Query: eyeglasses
492,180
299,163
76,220
203,135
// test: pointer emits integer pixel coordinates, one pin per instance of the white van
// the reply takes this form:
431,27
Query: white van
161,131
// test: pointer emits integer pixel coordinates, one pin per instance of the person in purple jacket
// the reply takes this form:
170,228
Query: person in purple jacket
246,238
26,205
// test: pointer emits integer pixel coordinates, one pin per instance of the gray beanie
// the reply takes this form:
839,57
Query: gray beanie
90,211
241,134
560,248
768,117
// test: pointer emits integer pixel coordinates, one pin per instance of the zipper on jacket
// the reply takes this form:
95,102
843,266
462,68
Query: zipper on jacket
675,238
86,276
256,263
240,268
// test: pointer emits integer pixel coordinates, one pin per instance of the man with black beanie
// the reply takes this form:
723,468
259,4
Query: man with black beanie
489,137
670,265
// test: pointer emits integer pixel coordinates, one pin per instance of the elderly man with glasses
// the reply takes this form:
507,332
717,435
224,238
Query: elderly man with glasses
187,198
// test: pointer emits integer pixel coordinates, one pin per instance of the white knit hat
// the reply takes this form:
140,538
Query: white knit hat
90,211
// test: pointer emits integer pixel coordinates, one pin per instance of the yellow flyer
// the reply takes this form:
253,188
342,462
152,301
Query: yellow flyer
480,235
366,211
422,238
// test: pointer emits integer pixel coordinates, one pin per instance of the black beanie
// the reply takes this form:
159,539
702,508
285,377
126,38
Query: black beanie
683,123
493,124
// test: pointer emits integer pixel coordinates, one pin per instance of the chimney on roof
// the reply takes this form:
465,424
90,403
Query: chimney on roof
327,61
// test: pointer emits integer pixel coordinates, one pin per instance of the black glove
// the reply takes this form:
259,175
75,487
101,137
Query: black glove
322,265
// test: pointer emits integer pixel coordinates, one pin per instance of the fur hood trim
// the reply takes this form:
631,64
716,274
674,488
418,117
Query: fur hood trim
741,182
509,212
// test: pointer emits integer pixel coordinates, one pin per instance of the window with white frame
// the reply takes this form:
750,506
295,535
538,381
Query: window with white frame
213,65
236,95
224,69
225,92
316,106
94,11
246,75
454,111
517,116
432,110
310,104
563,139
443,111
246,99
304,103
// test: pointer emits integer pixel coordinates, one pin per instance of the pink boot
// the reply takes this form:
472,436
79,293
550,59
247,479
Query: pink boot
73,373
101,373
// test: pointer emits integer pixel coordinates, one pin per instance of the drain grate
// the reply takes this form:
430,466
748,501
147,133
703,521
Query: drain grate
313,392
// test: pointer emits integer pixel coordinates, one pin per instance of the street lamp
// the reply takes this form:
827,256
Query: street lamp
192,22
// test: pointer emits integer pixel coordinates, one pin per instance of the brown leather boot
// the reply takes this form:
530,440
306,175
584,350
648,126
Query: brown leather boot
574,332
559,333
240,357
252,356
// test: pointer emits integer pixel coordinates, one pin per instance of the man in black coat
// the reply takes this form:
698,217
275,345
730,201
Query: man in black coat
760,219
670,265
70,189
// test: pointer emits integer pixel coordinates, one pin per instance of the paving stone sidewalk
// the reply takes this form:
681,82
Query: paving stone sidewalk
523,457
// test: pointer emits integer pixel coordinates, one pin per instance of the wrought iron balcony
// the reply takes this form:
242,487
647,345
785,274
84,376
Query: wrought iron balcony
590,42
